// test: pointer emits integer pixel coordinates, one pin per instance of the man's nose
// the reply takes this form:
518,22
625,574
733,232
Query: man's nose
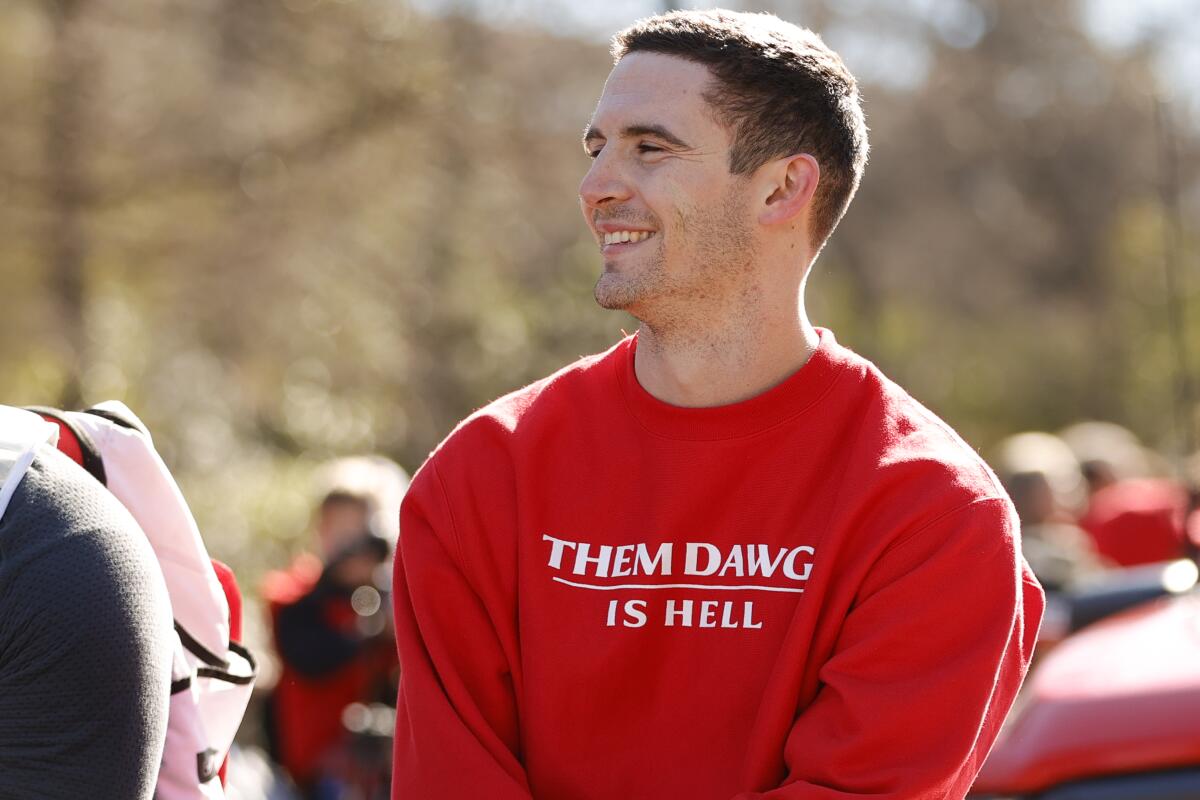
603,183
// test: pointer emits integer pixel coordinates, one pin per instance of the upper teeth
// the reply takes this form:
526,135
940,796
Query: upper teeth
627,236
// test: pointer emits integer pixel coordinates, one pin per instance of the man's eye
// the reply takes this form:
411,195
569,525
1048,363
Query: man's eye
648,148
593,153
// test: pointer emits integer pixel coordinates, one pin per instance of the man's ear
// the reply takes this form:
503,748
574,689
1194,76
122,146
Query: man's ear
789,185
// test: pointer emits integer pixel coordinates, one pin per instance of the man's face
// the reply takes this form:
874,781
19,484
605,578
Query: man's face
341,523
672,223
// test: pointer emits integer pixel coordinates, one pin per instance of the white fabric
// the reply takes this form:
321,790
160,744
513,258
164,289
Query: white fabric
136,474
205,712
225,702
187,743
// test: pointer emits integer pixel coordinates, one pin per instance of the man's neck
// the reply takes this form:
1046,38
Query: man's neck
715,365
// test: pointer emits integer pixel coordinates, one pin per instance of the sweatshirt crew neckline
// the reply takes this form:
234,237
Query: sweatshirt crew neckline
787,399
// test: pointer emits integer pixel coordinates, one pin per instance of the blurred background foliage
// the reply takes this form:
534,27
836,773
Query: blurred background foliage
283,230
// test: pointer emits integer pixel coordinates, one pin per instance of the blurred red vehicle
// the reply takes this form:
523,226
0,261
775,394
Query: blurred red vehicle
1113,711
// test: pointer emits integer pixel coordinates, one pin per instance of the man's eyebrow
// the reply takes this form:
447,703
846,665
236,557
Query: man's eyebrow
657,131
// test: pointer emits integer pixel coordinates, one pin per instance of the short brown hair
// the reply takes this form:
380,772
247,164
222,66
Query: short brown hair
780,90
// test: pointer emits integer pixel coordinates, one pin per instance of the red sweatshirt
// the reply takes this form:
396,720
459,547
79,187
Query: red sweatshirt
815,593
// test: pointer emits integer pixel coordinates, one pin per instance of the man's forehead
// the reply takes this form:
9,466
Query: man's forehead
644,86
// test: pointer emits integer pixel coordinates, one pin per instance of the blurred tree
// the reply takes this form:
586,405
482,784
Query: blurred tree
66,186
287,229
980,251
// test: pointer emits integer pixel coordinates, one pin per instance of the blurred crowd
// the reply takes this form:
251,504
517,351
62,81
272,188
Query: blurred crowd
1092,498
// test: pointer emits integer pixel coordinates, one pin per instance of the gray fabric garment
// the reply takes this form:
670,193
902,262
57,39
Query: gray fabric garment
85,644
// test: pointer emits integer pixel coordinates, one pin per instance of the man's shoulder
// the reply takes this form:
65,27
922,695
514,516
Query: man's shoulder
913,450
57,501
545,396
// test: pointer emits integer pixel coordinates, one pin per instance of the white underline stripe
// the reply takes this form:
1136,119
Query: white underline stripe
676,586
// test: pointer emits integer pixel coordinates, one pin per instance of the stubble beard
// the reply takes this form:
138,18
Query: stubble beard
617,291
720,251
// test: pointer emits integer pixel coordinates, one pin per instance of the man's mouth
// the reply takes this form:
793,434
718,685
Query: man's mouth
624,237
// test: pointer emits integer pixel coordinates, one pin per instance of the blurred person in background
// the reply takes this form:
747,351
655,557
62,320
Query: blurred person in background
1044,481
332,629
1133,515
728,557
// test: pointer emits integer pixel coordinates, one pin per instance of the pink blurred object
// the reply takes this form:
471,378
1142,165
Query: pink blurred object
1122,696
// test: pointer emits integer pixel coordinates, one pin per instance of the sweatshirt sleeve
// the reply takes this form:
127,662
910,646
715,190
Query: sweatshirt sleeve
925,669
456,729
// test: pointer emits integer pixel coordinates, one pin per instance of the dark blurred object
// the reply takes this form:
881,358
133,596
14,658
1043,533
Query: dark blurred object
1171,784
330,624
1122,589
362,768
85,629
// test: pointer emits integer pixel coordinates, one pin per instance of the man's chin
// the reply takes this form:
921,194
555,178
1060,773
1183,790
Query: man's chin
612,303
613,293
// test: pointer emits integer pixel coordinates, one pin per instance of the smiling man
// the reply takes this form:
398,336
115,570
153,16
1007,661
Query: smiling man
727,558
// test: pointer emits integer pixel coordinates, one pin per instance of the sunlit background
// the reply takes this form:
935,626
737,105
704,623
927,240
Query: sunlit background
284,230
